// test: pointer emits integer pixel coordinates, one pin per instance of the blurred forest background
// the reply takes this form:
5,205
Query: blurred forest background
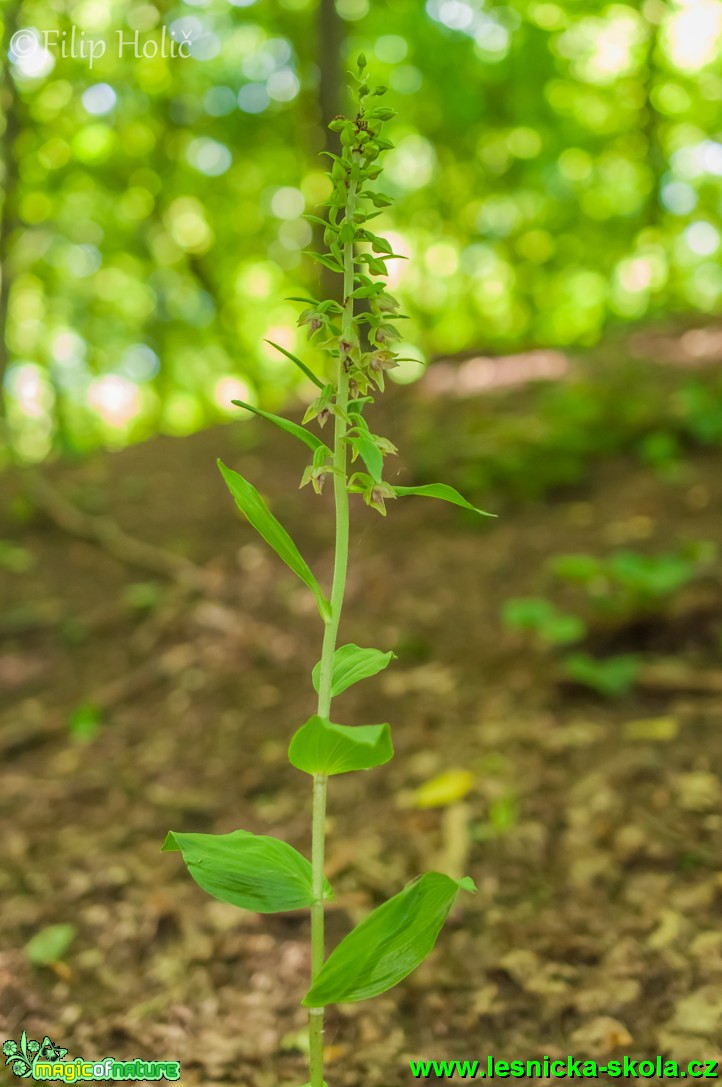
556,174
555,705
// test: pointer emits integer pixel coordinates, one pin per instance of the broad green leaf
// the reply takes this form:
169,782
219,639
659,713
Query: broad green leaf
295,429
444,492
255,509
370,454
251,871
50,944
350,664
357,406
389,944
320,747
297,362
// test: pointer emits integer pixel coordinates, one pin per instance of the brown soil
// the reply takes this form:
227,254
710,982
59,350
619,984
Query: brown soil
596,928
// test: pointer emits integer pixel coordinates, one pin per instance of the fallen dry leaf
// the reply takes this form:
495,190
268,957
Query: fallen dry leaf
601,1036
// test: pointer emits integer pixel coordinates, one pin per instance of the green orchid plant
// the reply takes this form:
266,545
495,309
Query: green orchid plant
260,873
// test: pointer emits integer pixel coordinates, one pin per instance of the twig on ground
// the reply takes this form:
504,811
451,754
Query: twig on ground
18,734
107,534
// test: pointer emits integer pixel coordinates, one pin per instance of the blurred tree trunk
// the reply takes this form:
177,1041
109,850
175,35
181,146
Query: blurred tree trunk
330,37
650,128
330,47
8,218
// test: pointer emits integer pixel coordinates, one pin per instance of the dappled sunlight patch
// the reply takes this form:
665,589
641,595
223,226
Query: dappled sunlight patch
229,388
692,34
603,48
115,399
188,225
411,164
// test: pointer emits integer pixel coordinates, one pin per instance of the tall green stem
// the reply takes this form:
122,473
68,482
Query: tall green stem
340,565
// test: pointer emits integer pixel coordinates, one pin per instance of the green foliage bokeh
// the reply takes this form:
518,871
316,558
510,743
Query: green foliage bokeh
557,168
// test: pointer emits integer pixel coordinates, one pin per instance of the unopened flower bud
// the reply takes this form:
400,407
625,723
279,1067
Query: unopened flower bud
315,476
387,448
386,303
311,318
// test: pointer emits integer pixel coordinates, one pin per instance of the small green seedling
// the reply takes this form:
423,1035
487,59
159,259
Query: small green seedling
553,630
625,586
611,677
630,584
257,872
538,616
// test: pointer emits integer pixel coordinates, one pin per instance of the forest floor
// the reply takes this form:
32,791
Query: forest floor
596,927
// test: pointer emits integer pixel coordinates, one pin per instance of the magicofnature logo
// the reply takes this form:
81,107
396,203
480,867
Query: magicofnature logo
44,1060
23,1055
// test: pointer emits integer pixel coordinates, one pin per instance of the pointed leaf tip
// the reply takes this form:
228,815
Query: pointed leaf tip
444,492
388,945
297,362
266,525
287,425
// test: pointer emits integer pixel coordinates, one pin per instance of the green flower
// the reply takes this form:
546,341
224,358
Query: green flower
20,1066
10,1048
